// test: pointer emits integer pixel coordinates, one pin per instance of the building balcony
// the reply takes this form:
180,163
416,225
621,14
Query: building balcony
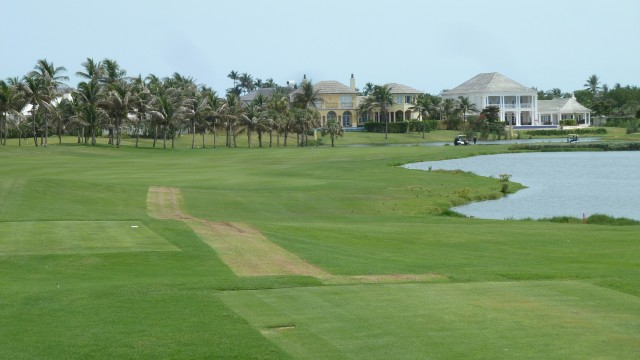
337,105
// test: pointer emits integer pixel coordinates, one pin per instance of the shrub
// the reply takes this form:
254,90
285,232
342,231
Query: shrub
568,122
558,132
394,127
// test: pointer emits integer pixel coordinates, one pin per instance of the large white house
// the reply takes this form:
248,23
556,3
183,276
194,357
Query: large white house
518,104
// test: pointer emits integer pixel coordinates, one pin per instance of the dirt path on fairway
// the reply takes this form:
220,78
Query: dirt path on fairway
243,248
249,253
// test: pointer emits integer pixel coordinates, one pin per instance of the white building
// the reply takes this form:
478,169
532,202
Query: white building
552,111
518,104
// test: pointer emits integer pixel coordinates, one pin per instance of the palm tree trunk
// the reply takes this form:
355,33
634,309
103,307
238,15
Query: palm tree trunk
193,134
93,136
164,135
203,139
155,135
33,120
46,130
215,135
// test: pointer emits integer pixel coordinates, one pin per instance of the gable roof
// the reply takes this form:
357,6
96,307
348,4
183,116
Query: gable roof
568,105
488,82
254,94
402,89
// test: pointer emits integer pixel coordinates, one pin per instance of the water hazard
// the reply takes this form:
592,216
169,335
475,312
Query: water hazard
558,184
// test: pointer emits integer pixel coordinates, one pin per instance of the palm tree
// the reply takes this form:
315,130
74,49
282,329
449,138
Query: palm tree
92,70
449,110
34,93
593,84
199,109
422,105
11,103
62,114
368,89
252,119
383,98
234,75
306,96
119,102
88,113
110,74
214,115
232,113
170,111
141,101
465,105
333,129
51,80
246,82
278,108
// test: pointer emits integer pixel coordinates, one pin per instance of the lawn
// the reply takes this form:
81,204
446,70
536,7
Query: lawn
513,320
78,281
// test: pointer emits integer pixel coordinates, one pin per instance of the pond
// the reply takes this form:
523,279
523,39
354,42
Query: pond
558,184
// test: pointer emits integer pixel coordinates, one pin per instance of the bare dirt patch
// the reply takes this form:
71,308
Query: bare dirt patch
243,248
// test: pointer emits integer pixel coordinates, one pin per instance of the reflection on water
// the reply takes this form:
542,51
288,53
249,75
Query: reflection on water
559,184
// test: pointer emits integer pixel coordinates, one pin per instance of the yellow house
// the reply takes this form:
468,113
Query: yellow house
335,101
339,102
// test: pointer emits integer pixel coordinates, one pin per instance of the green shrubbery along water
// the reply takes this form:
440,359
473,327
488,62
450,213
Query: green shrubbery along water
558,132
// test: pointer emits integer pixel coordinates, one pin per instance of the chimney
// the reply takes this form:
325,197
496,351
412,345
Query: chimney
304,79
353,83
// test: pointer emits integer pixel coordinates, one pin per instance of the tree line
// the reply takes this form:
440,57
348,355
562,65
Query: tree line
107,101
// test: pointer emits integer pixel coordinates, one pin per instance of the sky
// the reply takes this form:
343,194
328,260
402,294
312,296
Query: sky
428,45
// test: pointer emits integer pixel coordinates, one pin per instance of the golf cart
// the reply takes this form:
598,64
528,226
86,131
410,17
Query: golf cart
572,138
460,140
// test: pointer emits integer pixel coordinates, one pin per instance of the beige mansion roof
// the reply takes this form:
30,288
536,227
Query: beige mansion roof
563,105
402,89
331,87
487,83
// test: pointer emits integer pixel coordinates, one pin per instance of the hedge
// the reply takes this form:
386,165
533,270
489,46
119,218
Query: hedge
621,146
401,126
557,132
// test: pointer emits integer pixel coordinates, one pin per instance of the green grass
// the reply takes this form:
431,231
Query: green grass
76,281
68,237
524,320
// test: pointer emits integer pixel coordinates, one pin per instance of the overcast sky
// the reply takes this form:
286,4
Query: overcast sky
428,45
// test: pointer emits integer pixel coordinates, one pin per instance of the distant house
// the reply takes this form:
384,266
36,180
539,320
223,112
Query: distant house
403,99
517,102
248,98
336,101
552,111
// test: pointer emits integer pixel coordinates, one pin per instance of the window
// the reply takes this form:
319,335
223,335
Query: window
399,99
408,99
346,102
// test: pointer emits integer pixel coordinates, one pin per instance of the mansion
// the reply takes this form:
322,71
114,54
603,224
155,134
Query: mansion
519,105
339,102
